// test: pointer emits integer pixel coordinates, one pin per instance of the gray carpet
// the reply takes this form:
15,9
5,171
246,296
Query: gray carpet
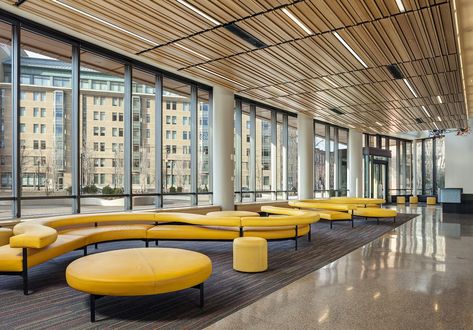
55,305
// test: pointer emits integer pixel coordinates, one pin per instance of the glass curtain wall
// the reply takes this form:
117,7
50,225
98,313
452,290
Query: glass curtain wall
330,160
96,131
430,165
265,153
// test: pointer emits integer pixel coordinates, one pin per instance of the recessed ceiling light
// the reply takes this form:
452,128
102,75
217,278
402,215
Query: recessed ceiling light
343,42
105,22
408,84
192,51
329,81
198,11
297,21
439,118
223,77
426,112
439,98
400,5
436,126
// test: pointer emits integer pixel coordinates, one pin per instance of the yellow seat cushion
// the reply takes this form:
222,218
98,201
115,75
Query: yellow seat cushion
431,200
239,214
104,233
193,232
275,232
250,254
333,215
5,234
79,219
31,235
11,258
375,213
401,200
351,200
141,271
326,206
413,200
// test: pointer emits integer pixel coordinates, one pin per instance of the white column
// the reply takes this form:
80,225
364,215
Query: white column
305,152
414,167
222,123
355,163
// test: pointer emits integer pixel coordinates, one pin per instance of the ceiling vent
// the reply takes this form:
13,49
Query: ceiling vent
246,36
335,110
419,121
395,71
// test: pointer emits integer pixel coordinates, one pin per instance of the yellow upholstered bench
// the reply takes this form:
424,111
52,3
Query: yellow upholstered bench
5,234
401,200
250,254
413,200
375,213
138,272
431,200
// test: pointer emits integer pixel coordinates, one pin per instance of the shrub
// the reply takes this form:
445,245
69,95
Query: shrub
92,189
107,190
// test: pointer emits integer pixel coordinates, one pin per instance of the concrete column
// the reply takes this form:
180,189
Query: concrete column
305,130
222,158
355,163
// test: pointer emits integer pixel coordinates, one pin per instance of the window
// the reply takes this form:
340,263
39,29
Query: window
99,100
114,116
102,131
42,80
35,144
61,82
39,96
22,95
96,115
43,145
102,115
35,112
174,120
148,118
96,146
43,112
186,106
114,131
99,85
102,146
120,132
184,120
22,111
22,128
168,120
96,131
174,135
43,128
184,135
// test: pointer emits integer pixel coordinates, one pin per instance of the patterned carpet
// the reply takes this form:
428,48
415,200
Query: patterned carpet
56,306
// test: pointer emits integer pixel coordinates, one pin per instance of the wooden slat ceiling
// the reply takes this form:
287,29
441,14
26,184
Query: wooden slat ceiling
296,71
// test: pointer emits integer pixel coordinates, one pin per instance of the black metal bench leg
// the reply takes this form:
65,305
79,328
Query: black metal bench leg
24,272
92,307
96,246
85,250
331,224
377,221
201,289
146,243
352,223
296,237
157,243
309,234
394,219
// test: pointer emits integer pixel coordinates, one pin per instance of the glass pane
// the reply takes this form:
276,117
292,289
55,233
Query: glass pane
176,142
332,158
319,159
281,150
102,132
393,167
418,165
143,136
263,153
292,158
343,160
409,167
245,150
203,155
440,162
429,166
5,122
45,125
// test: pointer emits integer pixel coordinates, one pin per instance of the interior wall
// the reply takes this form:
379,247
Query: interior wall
459,161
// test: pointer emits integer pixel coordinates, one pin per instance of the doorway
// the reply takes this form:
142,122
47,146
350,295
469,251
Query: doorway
379,179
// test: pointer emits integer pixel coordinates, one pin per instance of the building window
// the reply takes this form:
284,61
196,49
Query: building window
22,95
35,144
43,128
39,96
102,131
174,135
43,112
22,128
168,120
22,111
99,100
99,85
184,135
186,106
102,115
96,131
96,115
43,145
35,112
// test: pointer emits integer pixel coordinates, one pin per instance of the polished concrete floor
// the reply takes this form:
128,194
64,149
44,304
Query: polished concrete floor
419,276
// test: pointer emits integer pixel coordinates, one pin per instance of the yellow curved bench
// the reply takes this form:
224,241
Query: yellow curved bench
37,241
375,213
5,234
138,272
309,204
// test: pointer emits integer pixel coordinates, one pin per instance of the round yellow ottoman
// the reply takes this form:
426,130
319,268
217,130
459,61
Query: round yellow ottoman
401,200
250,254
431,200
5,234
413,200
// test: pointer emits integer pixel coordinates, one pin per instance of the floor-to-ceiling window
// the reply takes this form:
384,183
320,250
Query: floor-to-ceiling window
319,160
430,165
96,131
265,153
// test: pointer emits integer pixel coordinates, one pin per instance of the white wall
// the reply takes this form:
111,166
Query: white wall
459,161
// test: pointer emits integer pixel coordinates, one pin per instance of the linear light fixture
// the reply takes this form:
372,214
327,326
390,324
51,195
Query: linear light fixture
343,42
436,126
439,98
426,112
351,126
330,82
408,84
297,21
223,77
400,5
439,118
379,124
198,11
192,52
105,22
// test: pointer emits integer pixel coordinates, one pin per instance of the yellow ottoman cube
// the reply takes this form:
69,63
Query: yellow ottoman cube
413,200
250,254
431,200
401,200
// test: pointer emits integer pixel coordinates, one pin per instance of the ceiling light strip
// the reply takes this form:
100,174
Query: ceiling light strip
343,42
198,11
400,5
105,22
426,112
408,84
223,77
439,98
297,21
439,118
192,51
436,126
330,82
